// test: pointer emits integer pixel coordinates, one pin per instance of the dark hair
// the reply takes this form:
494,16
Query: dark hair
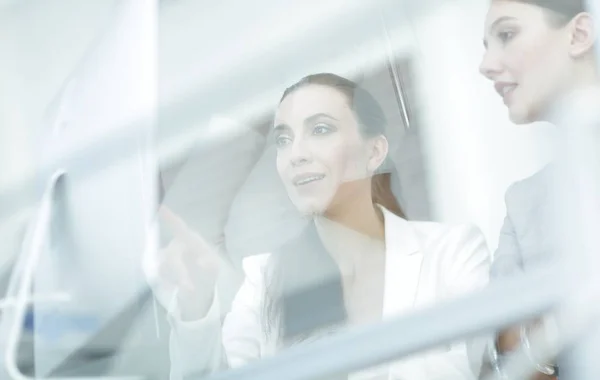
561,11
304,292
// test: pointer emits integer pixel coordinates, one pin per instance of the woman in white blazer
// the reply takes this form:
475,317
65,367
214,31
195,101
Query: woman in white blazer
359,261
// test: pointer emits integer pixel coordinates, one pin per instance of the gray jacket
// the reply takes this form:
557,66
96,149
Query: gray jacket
527,235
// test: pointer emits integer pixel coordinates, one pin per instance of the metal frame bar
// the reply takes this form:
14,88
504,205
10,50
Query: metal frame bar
38,241
393,69
471,316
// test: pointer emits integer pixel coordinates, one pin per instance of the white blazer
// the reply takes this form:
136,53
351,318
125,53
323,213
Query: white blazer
425,263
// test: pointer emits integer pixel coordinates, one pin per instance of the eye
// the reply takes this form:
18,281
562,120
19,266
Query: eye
322,129
282,140
506,36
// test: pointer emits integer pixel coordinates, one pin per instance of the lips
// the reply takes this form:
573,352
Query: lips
306,178
504,89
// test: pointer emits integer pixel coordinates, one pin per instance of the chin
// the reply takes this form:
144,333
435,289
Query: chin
519,117
310,207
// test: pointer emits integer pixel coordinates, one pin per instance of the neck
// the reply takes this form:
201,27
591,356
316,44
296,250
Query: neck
583,74
586,74
352,235
585,84
586,77
360,215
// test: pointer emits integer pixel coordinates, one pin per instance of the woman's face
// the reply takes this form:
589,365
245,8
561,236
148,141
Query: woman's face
322,158
526,57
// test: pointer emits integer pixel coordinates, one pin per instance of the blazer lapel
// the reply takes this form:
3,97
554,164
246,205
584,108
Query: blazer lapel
403,265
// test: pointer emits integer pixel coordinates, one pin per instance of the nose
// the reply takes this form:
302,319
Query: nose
490,66
299,154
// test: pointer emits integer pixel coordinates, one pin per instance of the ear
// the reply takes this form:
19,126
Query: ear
379,147
583,35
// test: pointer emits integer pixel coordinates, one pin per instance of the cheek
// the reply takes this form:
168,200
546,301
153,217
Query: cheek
538,68
335,157
335,154
349,162
280,163
520,60
539,64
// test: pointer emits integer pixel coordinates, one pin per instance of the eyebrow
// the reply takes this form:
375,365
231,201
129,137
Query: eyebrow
317,116
499,20
308,120
280,127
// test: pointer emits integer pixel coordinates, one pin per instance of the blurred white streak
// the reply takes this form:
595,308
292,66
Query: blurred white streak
578,220
37,298
257,29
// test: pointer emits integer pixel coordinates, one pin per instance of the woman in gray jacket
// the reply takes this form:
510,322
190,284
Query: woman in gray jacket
537,51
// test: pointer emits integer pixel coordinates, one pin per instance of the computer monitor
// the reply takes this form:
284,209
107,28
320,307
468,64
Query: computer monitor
105,204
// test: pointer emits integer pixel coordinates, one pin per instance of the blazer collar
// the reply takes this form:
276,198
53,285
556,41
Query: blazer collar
400,237
404,260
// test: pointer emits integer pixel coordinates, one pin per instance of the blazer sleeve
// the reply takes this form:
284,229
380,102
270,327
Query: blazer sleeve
507,258
205,346
465,269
